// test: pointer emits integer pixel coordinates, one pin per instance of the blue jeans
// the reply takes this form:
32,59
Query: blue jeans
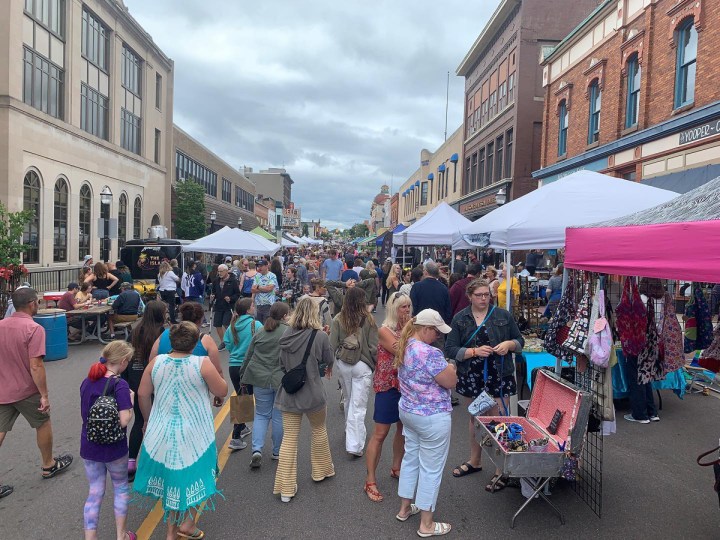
264,412
427,441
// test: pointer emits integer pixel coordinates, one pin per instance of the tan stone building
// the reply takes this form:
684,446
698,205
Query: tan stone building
229,195
274,183
439,178
380,211
86,101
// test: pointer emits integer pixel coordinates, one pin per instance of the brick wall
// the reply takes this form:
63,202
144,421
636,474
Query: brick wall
657,78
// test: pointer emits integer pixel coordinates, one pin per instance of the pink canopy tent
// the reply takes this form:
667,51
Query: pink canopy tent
679,239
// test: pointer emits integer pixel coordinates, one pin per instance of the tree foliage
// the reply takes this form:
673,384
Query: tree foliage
356,231
12,225
190,210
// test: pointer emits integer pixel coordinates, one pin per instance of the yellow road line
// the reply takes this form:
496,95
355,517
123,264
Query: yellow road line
153,519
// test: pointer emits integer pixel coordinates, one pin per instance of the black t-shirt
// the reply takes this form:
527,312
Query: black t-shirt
102,283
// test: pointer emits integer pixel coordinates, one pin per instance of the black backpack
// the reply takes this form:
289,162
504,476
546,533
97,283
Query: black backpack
103,421
294,379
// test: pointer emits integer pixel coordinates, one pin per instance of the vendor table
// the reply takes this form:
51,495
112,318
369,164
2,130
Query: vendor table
674,381
96,312
53,296
538,359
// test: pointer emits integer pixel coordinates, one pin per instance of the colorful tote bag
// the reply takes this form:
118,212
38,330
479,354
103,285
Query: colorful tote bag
578,335
671,338
601,341
650,366
698,326
558,327
631,319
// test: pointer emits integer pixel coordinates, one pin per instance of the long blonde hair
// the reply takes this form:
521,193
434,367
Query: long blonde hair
408,330
394,304
393,273
164,268
306,315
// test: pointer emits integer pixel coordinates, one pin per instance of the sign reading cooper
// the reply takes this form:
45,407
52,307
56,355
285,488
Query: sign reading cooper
477,204
700,132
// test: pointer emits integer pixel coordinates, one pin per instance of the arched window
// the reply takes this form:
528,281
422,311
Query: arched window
632,106
84,221
60,221
122,221
137,218
685,64
594,117
562,128
31,203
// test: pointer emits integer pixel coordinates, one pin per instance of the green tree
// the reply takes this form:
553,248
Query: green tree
305,230
12,225
358,230
190,210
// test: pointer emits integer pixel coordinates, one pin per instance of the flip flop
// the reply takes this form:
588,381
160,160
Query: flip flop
197,534
469,469
413,510
440,529
395,473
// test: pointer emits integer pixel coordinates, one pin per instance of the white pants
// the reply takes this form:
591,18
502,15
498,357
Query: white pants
355,381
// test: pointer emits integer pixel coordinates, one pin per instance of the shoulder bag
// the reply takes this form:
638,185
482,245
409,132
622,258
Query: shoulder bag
294,379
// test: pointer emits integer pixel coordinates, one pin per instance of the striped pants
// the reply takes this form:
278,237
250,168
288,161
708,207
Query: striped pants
320,458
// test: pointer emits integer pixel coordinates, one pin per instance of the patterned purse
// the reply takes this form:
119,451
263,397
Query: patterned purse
650,366
578,335
558,329
631,319
672,338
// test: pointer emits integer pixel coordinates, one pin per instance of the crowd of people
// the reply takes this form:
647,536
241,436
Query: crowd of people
273,317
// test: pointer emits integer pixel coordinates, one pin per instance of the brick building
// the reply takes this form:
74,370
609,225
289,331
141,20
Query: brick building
502,132
632,92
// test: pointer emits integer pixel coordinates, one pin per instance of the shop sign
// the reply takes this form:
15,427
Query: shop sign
700,132
477,204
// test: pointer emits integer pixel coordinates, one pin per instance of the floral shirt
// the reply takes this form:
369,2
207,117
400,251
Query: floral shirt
421,394
265,298
385,376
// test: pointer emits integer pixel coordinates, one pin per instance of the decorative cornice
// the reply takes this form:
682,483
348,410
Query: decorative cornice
631,46
681,11
595,71
563,93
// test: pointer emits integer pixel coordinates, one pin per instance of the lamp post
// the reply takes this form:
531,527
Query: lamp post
106,197
501,197
239,222
213,217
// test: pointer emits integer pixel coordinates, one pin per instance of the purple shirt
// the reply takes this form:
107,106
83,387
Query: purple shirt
421,394
89,392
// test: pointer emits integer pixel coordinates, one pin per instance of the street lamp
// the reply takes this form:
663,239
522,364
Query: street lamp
213,217
239,222
106,197
501,197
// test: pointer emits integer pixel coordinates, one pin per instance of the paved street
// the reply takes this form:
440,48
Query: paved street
652,486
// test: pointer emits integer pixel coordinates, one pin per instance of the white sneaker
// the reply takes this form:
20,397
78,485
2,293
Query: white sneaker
237,444
655,418
629,418
287,499
245,432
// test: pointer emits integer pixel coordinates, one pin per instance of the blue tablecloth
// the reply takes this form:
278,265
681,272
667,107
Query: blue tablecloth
538,359
674,381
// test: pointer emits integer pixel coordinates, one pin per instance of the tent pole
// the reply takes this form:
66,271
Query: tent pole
508,281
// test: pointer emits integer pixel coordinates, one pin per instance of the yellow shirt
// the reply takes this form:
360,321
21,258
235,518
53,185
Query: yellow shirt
502,292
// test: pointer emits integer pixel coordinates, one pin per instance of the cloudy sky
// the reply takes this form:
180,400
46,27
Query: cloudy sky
344,95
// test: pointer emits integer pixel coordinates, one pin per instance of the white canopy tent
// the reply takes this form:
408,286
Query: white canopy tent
286,242
538,220
229,241
440,226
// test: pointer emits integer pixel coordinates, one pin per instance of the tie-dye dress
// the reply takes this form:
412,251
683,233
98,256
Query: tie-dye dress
178,459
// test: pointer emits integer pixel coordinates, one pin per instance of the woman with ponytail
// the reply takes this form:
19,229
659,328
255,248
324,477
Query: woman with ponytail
101,459
261,370
425,379
243,326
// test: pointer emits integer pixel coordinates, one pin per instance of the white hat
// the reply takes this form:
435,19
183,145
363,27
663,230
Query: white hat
430,317
228,258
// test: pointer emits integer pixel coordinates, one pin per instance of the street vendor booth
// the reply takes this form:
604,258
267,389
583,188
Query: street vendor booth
229,241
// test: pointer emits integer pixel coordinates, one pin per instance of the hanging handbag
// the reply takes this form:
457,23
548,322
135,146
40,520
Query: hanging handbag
600,342
699,327
484,402
631,319
578,334
294,379
558,328
671,338
649,362
242,408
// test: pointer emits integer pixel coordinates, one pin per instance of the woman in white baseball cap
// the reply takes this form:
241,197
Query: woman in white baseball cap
426,380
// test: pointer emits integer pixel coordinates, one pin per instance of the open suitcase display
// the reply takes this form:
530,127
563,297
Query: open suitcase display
550,393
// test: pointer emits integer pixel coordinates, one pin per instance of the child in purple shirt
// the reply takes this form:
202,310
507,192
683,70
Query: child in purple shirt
103,458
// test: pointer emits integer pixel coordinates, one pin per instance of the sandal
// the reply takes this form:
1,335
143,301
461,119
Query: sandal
395,473
61,463
413,510
5,491
440,529
131,535
372,492
497,483
197,534
469,469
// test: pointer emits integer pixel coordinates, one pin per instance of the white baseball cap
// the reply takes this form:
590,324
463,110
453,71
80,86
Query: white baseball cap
430,317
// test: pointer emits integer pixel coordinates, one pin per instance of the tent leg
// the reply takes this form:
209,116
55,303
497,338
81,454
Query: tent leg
508,283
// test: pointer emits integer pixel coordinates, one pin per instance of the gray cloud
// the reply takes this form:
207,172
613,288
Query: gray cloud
344,95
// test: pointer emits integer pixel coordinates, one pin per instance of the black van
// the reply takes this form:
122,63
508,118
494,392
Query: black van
143,258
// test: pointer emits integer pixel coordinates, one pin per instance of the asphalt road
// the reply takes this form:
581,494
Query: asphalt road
652,486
